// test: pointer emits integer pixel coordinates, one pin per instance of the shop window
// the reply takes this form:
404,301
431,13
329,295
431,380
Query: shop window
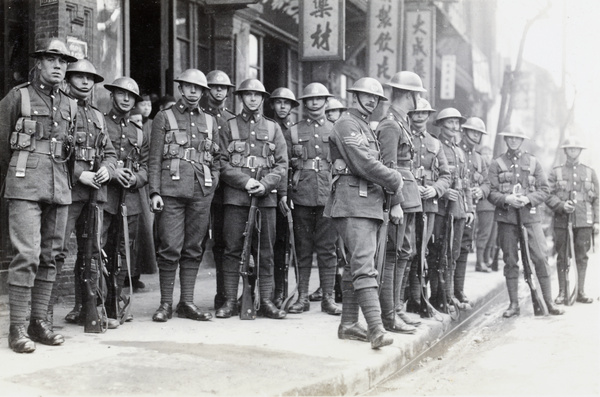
255,57
192,37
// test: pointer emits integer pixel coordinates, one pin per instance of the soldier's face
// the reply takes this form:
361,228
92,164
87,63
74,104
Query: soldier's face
473,136
123,101
218,92
368,101
333,115
513,142
315,103
419,117
573,152
452,124
282,107
52,69
81,85
252,100
191,93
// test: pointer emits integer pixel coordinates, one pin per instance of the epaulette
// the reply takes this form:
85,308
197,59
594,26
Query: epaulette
136,124
22,85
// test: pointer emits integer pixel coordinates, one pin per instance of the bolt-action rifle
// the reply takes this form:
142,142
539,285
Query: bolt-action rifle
247,268
340,253
539,306
291,260
92,262
571,265
445,249
382,239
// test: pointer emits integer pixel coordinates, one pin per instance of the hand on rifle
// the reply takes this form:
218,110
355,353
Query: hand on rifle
515,201
427,192
283,205
102,175
451,195
254,187
477,193
470,219
569,207
396,214
125,177
88,178
157,203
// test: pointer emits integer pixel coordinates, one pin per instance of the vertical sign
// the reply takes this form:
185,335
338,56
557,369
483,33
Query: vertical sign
322,30
384,38
448,77
419,51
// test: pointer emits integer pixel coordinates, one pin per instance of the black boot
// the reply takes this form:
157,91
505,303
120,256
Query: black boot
230,307
581,297
268,309
512,284
329,306
316,296
163,313
41,331
547,294
349,327
18,340
496,254
278,298
301,305
368,300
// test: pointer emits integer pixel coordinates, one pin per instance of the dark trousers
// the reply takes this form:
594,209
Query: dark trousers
435,254
37,233
110,230
279,248
508,239
582,238
485,226
144,255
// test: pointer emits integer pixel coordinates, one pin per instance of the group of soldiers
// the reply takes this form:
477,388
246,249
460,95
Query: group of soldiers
330,175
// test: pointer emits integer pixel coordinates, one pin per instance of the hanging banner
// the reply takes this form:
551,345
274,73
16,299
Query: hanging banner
419,49
384,33
322,30
448,77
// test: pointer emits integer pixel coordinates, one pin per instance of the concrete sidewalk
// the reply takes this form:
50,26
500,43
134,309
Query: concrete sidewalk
300,355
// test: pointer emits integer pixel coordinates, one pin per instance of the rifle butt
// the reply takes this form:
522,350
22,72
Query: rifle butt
247,310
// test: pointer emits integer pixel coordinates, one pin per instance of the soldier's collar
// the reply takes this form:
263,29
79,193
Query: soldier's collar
464,146
255,116
83,102
514,154
118,118
399,114
320,120
182,107
357,113
45,88
572,163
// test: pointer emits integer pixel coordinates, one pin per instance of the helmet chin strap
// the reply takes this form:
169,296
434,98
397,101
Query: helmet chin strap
419,125
362,106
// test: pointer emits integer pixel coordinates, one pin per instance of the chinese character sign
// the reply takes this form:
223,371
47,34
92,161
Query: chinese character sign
384,33
448,77
322,30
419,45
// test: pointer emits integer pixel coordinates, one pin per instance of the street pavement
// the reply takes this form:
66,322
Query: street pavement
299,355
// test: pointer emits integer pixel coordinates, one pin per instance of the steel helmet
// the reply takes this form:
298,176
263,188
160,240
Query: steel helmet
84,66
334,104
125,83
368,85
475,124
423,105
314,90
218,77
252,85
193,76
514,131
448,113
54,46
406,80
572,142
284,93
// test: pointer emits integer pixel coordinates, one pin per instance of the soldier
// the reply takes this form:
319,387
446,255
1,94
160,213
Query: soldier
397,151
183,173
252,142
282,101
356,206
213,102
91,145
573,192
507,170
476,180
37,122
334,109
131,175
430,168
458,201
308,151
487,229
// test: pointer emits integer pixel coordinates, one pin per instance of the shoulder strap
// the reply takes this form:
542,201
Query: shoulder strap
209,125
100,118
235,131
559,175
73,105
171,119
502,164
532,163
25,102
294,134
270,129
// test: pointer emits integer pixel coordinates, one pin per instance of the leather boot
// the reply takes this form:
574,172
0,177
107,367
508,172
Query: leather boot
163,313
481,264
560,299
73,316
512,284
379,338
191,311
278,298
352,331
393,323
581,297
547,294
301,305
349,327
230,307
316,296
268,309
41,331
329,306
495,255
18,340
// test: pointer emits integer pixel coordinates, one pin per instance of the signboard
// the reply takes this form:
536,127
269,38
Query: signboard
384,39
77,48
322,30
448,77
419,49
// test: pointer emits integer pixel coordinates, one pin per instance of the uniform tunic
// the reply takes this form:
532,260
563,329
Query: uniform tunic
37,201
356,203
506,171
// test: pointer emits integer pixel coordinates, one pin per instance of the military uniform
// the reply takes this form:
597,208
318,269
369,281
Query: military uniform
487,232
251,141
132,151
397,151
430,168
564,180
464,204
308,150
476,177
222,115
